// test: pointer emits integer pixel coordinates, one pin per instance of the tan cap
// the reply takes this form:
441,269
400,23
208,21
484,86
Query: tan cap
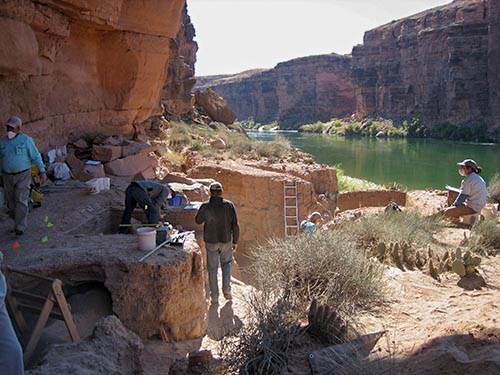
14,122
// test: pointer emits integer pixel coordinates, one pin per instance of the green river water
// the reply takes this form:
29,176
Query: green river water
414,163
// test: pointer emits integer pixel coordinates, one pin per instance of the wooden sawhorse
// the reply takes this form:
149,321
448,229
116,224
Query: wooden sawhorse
53,305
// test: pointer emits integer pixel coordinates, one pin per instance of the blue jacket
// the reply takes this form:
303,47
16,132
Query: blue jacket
17,154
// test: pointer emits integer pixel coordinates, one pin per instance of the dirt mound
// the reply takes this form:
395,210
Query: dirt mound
111,349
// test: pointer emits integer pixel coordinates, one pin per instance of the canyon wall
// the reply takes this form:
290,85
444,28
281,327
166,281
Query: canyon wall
76,67
439,65
295,92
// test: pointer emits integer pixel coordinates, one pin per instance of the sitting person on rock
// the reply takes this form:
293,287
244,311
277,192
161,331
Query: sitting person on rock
473,192
149,195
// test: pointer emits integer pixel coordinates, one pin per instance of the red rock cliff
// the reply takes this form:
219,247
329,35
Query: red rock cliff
439,65
73,67
295,92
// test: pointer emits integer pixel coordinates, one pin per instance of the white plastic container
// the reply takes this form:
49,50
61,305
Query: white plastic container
93,186
104,183
2,198
147,238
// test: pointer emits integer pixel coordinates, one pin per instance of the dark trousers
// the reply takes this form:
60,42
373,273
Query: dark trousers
135,195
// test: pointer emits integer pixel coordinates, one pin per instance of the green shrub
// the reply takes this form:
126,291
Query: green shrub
317,127
415,128
327,266
494,189
406,226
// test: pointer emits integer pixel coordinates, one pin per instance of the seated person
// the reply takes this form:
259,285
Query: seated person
473,192
309,225
149,195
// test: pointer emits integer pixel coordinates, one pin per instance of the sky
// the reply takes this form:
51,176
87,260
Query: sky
238,35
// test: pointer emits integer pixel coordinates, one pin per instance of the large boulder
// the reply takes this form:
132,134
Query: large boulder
215,106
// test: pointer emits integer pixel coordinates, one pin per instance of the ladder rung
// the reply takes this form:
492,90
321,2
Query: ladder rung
292,226
290,207
291,217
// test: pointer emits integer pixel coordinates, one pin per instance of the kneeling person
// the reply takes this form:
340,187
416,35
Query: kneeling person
149,195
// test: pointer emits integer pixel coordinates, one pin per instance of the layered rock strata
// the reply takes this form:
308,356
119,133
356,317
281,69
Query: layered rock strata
296,92
72,67
439,65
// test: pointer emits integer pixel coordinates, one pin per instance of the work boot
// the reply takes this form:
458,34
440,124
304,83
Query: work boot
228,296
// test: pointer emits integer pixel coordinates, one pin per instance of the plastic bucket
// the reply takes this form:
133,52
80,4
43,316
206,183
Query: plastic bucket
147,238
93,186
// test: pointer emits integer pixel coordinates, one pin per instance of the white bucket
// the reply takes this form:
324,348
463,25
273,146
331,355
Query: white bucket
147,238
93,186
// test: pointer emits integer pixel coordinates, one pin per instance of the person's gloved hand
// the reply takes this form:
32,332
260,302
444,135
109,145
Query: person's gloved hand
43,178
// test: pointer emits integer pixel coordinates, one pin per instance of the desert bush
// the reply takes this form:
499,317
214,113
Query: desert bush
346,183
494,189
262,346
250,148
485,237
327,266
408,226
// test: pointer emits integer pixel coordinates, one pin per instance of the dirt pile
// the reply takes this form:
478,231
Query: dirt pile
111,349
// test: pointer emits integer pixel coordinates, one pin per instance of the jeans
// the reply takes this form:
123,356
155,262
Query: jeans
17,193
11,354
135,195
223,252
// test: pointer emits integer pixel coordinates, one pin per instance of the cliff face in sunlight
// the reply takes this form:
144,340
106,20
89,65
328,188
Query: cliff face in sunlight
439,65
74,67
295,92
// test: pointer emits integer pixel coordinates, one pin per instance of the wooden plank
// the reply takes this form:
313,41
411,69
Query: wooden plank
37,332
63,306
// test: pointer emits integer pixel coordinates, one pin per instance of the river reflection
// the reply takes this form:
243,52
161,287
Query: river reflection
414,163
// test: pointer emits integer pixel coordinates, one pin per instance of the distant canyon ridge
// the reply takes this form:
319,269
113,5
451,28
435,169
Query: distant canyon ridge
441,65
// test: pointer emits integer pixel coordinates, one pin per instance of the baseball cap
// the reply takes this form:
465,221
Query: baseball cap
14,122
215,186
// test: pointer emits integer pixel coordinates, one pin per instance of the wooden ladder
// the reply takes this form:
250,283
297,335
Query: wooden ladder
291,208
53,305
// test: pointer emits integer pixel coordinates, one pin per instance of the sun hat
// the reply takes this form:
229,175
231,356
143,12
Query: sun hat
469,163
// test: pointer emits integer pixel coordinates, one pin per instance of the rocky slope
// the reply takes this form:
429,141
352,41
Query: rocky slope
439,65
78,67
295,92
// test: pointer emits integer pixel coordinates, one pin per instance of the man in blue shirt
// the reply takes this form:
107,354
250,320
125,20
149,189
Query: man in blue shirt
17,153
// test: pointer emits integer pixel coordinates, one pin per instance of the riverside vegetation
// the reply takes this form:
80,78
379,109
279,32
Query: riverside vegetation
414,128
